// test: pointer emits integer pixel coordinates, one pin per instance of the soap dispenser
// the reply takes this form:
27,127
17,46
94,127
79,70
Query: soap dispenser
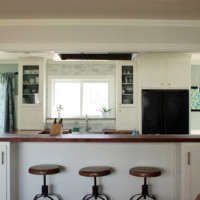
134,132
76,127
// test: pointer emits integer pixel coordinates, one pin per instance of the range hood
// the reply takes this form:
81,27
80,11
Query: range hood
97,56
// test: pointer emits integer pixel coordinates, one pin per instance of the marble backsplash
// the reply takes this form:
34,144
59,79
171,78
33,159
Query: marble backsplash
80,69
93,125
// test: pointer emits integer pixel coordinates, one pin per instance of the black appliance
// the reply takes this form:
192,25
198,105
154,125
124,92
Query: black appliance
165,111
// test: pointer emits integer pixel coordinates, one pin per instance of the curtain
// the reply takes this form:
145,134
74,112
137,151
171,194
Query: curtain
7,102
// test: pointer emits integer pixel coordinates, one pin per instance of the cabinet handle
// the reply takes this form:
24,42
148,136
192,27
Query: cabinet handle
188,158
161,83
2,158
169,83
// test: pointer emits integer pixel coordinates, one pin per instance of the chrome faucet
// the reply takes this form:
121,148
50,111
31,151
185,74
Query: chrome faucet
87,127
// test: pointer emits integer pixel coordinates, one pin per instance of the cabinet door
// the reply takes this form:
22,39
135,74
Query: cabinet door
191,172
3,173
30,84
31,81
126,119
31,119
31,93
126,74
178,73
152,74
152,112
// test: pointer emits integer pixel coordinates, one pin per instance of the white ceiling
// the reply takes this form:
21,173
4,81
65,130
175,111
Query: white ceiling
100,9
95,9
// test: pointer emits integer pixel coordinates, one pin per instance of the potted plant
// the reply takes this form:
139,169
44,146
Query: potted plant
59,110
105,111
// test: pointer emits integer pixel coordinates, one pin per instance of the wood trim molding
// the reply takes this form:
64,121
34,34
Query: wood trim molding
100,22
100,47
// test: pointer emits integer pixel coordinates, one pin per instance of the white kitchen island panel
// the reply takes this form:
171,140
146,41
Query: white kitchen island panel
120,156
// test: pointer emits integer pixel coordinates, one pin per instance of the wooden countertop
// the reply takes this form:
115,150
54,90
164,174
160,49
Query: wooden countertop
34,136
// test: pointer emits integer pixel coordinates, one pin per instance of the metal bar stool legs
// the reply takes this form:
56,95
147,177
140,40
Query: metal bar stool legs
95,192
144,193
45,193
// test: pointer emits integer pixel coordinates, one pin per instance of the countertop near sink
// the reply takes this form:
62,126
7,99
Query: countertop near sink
34,136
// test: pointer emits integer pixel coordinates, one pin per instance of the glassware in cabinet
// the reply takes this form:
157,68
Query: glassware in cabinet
30,89
127,84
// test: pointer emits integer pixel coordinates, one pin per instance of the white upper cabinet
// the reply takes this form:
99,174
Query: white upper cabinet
31,93
126,75
165,70
152,73
178,73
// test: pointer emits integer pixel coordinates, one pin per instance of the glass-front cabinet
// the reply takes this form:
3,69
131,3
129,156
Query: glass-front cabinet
30,89
126,105
126,81
31,93
127,78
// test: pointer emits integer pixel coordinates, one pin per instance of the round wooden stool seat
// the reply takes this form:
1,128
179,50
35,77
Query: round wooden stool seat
45,169
145,171
94,171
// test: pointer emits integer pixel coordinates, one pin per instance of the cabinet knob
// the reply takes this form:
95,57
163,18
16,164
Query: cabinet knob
169,83
161,83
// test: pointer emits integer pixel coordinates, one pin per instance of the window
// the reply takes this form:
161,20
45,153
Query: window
80,97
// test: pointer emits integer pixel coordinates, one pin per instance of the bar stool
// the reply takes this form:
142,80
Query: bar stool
95,171
144,172
45,170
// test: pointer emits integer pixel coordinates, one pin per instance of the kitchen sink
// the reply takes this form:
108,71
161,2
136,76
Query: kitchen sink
48,131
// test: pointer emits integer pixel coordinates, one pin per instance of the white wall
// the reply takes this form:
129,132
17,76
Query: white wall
195,78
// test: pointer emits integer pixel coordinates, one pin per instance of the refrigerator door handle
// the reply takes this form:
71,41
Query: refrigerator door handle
161,124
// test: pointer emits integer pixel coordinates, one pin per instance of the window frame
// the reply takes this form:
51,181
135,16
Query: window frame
52,79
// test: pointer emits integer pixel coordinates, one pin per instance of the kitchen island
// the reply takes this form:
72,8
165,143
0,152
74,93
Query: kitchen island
119,151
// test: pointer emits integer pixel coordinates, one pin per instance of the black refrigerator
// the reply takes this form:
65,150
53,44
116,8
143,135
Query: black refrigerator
165,112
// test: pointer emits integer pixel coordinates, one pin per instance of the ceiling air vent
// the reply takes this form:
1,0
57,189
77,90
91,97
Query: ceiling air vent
96,56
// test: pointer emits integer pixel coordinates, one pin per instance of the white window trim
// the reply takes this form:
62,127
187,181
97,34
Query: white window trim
110,79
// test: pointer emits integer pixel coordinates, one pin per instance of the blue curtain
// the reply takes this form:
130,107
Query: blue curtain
7,102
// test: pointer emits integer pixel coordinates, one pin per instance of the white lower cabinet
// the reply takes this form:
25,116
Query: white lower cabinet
126,119
3,172
190,186
8,171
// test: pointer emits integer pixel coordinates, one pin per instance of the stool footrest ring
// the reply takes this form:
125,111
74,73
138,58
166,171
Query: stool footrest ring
46,196
141,195
100,196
